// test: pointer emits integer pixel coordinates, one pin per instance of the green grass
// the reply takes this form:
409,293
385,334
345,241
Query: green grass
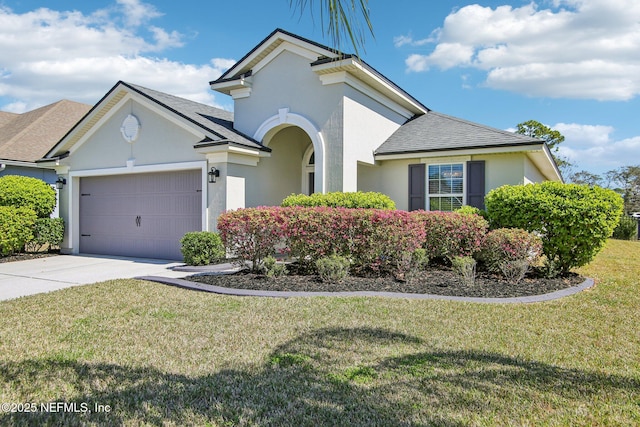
159,355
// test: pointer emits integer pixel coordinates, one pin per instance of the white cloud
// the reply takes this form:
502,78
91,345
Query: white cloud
584,49
47,55
592,147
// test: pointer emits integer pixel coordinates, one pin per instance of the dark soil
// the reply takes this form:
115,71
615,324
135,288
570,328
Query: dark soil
27,255
439,280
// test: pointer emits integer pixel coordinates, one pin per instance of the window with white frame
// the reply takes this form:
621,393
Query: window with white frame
445,186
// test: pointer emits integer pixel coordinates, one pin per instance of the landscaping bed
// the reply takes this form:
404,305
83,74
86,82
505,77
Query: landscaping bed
439,280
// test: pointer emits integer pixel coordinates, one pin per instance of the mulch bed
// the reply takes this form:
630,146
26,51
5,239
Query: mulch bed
26,256
439,280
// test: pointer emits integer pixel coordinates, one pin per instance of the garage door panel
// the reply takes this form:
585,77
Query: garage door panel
141,215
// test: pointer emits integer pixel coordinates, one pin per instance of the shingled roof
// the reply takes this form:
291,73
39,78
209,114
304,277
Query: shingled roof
27,137
211,119
436,132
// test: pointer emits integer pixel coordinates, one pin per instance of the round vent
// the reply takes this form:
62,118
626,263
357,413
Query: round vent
130,128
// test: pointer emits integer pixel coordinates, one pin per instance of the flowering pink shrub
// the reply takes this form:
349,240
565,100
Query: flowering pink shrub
371,238
253,233
451,234
506,245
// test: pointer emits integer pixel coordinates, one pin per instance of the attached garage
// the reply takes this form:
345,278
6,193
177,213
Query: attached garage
139,215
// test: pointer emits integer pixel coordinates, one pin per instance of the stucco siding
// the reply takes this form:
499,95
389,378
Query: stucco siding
531,172
367,124
287,82
159,141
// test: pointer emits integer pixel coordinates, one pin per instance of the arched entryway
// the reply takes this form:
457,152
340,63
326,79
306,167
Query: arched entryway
293,131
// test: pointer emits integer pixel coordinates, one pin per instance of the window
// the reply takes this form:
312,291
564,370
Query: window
445,185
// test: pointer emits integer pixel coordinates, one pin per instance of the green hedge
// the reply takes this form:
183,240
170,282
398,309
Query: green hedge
16,228
627,229
574,221
201,247
23,191
47,232
359,199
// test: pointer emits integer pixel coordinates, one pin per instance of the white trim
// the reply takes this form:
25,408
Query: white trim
306,170
284,118
466,152
73,184
285,46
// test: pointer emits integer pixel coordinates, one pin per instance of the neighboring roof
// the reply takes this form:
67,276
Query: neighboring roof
436,132
327,61
29,136
215,123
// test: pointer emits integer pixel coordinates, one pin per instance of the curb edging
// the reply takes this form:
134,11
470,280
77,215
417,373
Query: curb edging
186,284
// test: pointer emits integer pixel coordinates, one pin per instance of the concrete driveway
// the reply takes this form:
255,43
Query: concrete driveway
34,276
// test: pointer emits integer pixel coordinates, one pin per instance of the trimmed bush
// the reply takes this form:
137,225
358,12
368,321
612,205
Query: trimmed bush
272,268
201,247
353,200
510,246
372,238
465,267
574,220
47,232
16,228
332,269
451,234
32,193
252,234
627,229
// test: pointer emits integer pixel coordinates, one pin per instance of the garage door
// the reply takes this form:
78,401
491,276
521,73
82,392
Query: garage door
139,215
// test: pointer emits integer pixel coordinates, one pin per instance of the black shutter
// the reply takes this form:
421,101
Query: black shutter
417,186
475,184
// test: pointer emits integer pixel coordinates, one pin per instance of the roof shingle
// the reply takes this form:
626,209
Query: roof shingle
436,131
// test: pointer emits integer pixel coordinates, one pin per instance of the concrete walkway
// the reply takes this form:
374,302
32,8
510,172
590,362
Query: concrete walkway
48,274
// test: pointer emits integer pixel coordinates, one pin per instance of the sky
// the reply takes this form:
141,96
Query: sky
573,65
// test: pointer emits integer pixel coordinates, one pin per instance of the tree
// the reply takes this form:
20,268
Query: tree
585,177
539,131
552,137
345,18
627,179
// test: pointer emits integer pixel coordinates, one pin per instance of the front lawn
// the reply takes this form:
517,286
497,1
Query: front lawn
147,353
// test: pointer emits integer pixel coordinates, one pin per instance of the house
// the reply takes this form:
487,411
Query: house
144,167
27,137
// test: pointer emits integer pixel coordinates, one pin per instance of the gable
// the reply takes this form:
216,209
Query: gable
206,124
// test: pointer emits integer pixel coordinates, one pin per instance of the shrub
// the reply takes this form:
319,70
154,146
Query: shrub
627,229
201,247
510,246
353,200
32,193
465,267
332,269
411,264
515,270
471,210
272,268
372,238
252,233
573,220
16,228
47,232
451,234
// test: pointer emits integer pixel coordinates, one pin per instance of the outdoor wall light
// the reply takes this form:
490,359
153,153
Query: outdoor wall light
60,183
213,174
